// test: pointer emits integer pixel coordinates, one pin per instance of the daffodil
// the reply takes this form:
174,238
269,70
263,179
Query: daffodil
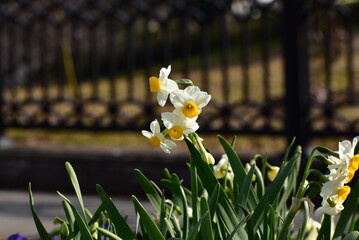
223,168
157,139
178,125
162,85
347,163
189,101
334,193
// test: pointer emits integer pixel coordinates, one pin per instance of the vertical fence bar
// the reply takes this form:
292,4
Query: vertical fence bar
224,57
244,45
205,46
2,81
296,69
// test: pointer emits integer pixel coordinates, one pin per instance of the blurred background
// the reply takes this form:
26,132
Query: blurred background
74,82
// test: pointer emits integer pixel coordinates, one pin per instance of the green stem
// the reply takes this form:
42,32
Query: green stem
194,190
301,189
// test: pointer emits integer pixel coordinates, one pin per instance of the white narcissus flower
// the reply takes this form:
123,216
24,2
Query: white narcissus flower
178,125
334,193
347,163
163,85
157,139
189,101
223,168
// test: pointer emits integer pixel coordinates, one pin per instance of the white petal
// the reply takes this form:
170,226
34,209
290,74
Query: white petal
164,73
192,90
162,96
178,98
147,134
155,127
345,148
171,86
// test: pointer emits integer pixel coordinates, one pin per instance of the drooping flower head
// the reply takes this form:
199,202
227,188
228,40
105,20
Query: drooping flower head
157,139
189,101
272,173
178,125
223,168
163,85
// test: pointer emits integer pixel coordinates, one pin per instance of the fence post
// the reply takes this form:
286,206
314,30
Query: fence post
295,53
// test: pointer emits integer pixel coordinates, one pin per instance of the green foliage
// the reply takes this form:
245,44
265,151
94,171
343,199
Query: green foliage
245,206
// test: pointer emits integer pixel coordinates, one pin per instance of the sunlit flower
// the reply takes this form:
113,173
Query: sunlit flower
178,125
347,163
272,173
163,85
189,101
223,168
334,193
157,139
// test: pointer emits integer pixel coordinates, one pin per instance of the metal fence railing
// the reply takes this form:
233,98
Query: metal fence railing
272,67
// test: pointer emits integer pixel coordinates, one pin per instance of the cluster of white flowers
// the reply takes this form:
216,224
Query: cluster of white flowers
188,104
335,191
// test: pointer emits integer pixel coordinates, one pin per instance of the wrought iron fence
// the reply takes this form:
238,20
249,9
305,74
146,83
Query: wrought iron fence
272,67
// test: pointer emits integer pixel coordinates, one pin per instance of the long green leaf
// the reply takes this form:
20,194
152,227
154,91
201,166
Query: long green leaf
39,226
108,234
210,182
245,188
82,225
231,236
206,228
194,232
239,171
325,229
194,191
76,185
150,191
69,214
350,207
122,228
96,215
274,189
213,200
147,222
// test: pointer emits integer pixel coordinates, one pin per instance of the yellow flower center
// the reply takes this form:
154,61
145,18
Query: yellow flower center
155,141
190,109
155,85
343,193
353,167
176,132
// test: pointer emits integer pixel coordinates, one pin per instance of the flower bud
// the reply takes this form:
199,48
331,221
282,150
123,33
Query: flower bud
64,231
272,173
208,158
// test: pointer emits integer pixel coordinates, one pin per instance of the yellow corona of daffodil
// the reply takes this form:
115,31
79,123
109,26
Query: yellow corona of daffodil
157,139
178,125
189,101
162,85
